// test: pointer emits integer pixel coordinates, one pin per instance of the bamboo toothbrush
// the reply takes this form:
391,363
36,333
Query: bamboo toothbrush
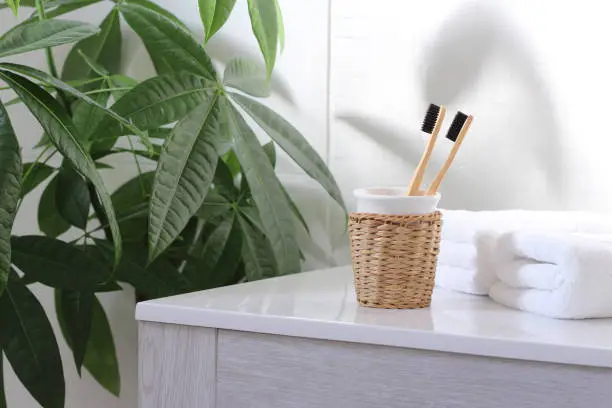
431,125
456,133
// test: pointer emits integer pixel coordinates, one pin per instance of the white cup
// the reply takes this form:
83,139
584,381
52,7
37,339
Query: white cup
394,201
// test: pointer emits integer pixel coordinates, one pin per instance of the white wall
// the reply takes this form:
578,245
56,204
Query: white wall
535,78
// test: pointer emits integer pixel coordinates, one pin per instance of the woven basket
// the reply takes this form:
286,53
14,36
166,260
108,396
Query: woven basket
395,258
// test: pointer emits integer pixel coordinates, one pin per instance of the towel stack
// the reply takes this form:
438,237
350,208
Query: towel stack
551,263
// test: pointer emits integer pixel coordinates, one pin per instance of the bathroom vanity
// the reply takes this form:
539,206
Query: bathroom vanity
302,341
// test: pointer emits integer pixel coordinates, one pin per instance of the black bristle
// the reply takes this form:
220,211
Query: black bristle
456,126
431,117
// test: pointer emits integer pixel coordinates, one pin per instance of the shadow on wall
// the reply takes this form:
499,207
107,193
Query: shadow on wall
513,157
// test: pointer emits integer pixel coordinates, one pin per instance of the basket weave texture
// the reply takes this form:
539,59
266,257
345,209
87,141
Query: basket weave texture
395,258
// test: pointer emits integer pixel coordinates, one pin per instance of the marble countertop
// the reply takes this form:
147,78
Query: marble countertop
322,305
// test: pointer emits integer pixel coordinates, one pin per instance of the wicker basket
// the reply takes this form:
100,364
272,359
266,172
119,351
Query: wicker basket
395,258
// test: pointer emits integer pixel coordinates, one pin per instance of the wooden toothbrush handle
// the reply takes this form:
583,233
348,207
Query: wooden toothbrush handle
417,178
433,188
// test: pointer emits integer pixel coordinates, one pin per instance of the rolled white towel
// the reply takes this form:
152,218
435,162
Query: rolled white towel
566,276
464,226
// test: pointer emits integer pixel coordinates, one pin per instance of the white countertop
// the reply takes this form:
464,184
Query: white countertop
322,305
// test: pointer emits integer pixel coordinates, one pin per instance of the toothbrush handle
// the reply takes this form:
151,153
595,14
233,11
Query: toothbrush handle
417,178
433,188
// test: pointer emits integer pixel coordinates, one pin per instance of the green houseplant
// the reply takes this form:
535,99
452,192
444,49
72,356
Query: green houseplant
213,212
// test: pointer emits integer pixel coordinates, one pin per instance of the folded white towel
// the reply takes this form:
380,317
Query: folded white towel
464,226
565,276
468,268
457,254
460,280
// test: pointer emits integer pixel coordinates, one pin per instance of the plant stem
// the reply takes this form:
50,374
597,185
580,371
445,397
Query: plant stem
98,91
51,61
27,174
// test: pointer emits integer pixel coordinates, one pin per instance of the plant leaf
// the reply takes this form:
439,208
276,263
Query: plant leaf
72,197
10,176
61,85
265,27
158,101
14,5
87,117
55,121
58,8
38,172
133,198
100,356
214,205
247,76
257,253
281,26
270,151
171,48
43,34
217,263
214,14
76,309
57,264
159,279
184,174
293,143
103,49
276,215
160,10
50,222
29,344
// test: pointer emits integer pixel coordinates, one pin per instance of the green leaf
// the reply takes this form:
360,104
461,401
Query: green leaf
30,346
159,101
50,222
270,151
158,279
217,262
293,143
58,8
10,175
247,76
132,198
62,132
257,253
43,34
224,182
14,5
57,264
58,84
88,117
160,10
281,26
76,309
171,48
103,49
265,27
214,14
214,205
121,81
267,192
100,356
184,174
72,197
38,172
